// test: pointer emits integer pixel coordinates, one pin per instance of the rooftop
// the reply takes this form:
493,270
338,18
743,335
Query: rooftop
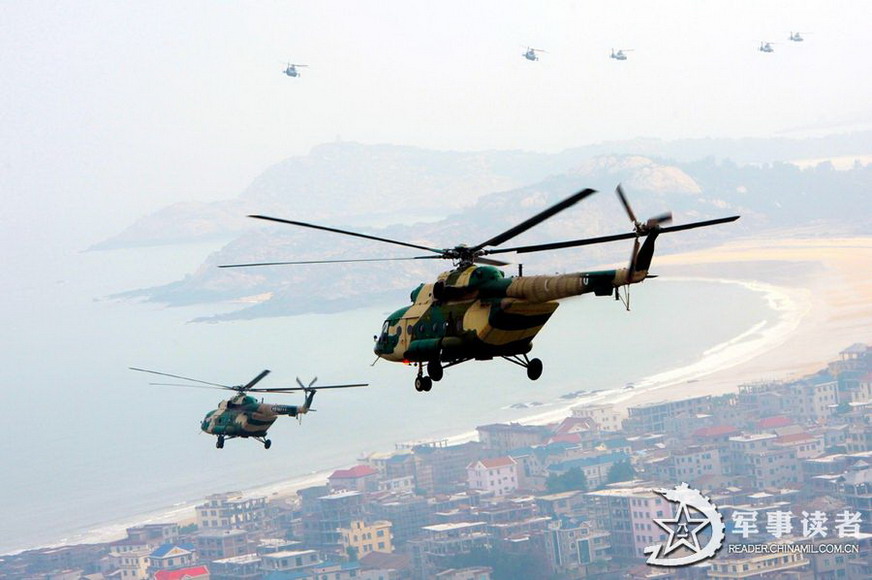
353,473
454,526
194,572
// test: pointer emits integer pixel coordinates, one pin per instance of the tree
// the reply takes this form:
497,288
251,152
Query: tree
621,471
571,480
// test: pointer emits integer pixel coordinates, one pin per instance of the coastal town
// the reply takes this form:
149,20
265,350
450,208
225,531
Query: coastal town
785,463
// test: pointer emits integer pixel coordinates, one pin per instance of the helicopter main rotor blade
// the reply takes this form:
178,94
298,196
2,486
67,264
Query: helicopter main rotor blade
299,262
345,232
255,380
490,262
294,389
535,220
180,377
613,238
193,386
620,191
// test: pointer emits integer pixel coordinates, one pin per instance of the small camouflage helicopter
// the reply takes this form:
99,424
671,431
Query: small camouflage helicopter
291,70
531,53
243,416
475,312
620,54
797,36
766,46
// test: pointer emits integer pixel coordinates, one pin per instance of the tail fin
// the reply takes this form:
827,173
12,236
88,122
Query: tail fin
642,259
310,396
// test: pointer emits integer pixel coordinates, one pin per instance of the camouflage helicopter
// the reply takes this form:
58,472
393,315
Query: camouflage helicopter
243,416
475,312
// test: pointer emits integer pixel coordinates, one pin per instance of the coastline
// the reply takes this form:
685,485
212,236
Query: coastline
820,311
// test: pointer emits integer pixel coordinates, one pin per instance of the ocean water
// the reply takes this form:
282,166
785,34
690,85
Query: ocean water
90,444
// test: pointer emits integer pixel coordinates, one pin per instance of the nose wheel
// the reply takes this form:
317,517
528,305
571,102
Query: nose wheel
220,443
423,384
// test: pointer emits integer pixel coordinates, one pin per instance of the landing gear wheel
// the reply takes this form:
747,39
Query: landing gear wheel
428,384
534,369
267,444
435,370
220,443
419,383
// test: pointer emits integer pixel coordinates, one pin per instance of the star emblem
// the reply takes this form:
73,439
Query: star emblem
682,530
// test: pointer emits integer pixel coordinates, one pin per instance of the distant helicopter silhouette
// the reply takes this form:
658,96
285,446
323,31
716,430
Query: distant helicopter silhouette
291,69
531,53
766,46
797,36
619,55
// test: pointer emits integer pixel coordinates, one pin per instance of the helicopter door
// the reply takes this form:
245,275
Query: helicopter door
407,331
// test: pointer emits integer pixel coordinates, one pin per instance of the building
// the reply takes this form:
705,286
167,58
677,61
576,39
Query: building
440,543
155,534
289,561
605,417
364,538
360,478
753,566
812,401
856,489
498,476
221,544
130,558
172,557
441,468
502,437
407,514
628,511
652,417
595,466
575,547
246,567
324,515
232,510
689,464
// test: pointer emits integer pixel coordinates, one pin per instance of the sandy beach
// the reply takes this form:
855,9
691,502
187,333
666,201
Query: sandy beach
825,298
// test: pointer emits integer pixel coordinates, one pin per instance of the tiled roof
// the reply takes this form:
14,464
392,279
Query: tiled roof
354,472
165,549
195,572
497,462
772,422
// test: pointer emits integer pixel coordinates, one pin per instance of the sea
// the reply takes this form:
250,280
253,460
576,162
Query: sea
90,447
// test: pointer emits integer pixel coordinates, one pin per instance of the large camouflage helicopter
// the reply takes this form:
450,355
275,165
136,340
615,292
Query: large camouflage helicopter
243,416
475,312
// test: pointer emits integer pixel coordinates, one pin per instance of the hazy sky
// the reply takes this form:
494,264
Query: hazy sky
113,109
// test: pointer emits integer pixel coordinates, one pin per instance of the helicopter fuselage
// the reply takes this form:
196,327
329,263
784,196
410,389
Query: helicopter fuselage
244,416
478,313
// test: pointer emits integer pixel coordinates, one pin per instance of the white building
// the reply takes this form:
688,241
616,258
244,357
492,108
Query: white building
499,475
